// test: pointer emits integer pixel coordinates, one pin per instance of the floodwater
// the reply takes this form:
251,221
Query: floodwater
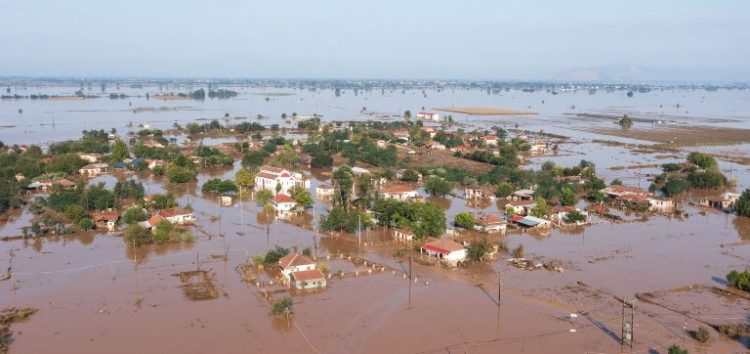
97,295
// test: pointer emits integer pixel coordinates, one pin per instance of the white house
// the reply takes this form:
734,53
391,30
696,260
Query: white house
152,164
295,262
725,202
283,203
403,234
91,158
560,213
270,177
428,116
445,250
479,192
489,140
660,204
490,223
307,279
399,192
324,191
522,194
520,207
94,169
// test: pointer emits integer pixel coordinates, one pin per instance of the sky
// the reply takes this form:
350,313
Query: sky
379,39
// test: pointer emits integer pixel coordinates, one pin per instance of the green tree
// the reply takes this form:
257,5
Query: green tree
504,189
704,161
136,236
86,224
119,151
438,186
568,197
477,250
743,204
162,231
283,307
302,197
575,216
134,215
244,179
343,180
464,219
74,213
541,209
739,280
263,197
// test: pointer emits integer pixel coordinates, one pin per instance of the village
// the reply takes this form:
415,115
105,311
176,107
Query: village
416,192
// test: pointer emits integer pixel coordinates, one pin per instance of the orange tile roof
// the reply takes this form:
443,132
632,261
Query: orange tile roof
283,198
443,245
293,260
307,275
398,188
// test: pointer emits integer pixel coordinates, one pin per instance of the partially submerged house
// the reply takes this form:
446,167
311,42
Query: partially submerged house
560,213
490,223
106,220
300,272
273,178
307,279
445,250
520,207
483,192
399,192
324,191
522,194
172,215
403,234
283,203
530,222
660,204
725,202
428,116
93,169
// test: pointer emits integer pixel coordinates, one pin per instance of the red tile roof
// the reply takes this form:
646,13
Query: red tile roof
282,198
490,219
398,188
443,246
171,212
293,260
308,275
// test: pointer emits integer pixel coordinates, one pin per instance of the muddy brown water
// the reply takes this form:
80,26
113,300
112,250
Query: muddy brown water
95,295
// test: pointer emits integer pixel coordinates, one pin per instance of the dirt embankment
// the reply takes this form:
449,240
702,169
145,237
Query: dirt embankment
675,135
484,111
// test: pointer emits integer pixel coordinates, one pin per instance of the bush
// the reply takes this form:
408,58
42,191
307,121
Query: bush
86,224
273,256
476,250
162,231
743,204
136,236
283,307
134,215
464,219
702,334
739,280
676,349
518,252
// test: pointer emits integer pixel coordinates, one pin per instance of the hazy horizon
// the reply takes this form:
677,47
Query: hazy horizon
683,41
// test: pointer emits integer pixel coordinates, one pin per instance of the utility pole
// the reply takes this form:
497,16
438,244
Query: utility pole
410,274
499,293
